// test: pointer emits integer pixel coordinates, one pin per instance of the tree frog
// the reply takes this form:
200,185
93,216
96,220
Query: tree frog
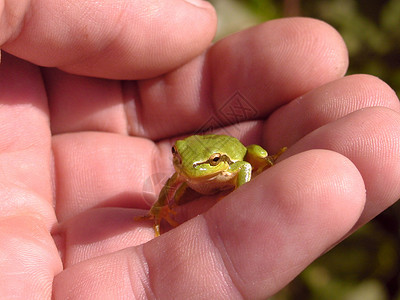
207,164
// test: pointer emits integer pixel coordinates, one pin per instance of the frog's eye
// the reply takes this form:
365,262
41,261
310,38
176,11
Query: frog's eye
214,159
173,150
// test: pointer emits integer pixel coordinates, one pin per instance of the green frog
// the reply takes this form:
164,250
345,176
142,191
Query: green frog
208,164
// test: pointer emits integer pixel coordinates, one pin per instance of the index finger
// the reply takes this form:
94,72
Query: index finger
107,38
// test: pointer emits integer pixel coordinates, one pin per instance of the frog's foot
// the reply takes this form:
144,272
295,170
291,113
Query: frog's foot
158,214
164,212
271,159
280,152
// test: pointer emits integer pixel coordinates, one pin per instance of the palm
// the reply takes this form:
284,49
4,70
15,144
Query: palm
103,150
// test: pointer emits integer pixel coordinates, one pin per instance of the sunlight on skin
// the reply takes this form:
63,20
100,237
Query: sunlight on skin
76,151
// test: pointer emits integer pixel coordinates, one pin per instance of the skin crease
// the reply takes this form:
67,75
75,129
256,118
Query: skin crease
76,151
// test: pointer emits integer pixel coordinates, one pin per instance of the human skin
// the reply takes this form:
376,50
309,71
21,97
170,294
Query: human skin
78,145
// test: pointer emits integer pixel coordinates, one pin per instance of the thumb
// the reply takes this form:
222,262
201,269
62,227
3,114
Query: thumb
119,39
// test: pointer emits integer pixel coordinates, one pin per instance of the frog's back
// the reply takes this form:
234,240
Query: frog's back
213,143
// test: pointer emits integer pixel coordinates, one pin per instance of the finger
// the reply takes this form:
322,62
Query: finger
26,209
240,78
251,244
294,55
30,259
100,231
100,170
370,139
245,76
24,141
326,104
111,39
79,103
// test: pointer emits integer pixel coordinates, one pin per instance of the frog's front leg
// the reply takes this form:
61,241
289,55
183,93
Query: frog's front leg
161,208
243,170
179,198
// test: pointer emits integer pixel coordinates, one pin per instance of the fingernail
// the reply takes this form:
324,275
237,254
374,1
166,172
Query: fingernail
199,3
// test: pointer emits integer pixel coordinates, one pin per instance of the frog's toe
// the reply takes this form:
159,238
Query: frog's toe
156,230
166,213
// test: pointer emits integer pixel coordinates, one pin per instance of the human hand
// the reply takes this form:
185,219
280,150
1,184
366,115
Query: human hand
252,242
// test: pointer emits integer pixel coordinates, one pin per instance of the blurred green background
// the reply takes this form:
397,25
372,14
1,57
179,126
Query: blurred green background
366,266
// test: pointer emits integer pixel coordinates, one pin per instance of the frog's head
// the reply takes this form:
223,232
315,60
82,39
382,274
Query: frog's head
205,156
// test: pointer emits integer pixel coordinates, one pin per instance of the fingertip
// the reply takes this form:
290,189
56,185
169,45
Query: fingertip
311,42
155,40
369,138
200,3
320,35
277,61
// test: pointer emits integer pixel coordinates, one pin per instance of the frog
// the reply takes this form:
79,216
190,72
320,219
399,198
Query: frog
207,164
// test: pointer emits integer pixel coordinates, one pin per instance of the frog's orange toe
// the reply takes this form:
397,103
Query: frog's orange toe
156,228
165,213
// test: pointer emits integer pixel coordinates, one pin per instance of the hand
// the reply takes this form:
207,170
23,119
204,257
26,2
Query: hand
77,151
